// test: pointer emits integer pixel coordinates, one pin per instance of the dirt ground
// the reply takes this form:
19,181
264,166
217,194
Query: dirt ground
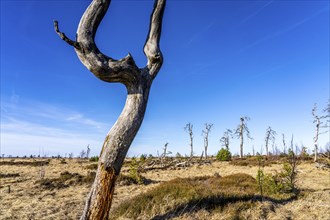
27,199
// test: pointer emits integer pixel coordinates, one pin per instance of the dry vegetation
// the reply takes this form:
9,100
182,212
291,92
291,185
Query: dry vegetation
57,188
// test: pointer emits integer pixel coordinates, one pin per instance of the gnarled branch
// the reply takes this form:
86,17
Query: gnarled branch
64,37
104,67
151,47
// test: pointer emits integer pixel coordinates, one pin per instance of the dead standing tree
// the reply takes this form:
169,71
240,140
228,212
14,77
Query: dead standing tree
318,125
284,144
227,135
241,129
189,129
205,134
270,135
137,81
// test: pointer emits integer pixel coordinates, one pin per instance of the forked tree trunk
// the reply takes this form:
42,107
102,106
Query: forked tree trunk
137,81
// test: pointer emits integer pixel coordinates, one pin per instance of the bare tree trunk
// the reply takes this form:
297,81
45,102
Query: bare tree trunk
317,122
316,138
284,144
242,136
191,147
137,81
267,141
189,128
206,137
206,144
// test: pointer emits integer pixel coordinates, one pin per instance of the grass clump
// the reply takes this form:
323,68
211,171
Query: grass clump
66,179
9,175
179,196
254,161
35,163
126,180
92,166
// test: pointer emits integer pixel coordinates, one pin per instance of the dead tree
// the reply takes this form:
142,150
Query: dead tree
241,129
319,124
205,133
189,130
270,136
284,144
225,139
137,81
88,151
164,155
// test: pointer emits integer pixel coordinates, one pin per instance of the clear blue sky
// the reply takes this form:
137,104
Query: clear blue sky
268,60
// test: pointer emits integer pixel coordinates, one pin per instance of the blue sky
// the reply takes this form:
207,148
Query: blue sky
268,60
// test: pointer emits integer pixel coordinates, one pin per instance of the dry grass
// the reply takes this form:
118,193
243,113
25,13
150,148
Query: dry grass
29,200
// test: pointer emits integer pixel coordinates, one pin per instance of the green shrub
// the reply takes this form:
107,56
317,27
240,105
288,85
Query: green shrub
94,159
280,182
135,171
224,154
143,158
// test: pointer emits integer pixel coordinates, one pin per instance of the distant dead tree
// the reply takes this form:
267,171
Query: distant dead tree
138,82
284,144
270,136
82,154
240,130
205,134
319,124
225,139
164,155
189,129
88,151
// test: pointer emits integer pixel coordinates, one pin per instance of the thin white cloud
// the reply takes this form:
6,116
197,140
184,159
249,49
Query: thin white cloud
196,36
284,30
32,111
257,12
29,125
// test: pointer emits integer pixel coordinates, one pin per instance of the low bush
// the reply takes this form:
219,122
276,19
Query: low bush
280,182
224,154
94,159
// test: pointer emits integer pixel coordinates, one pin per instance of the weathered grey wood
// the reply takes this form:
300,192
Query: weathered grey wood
317,122
205,133
137,81
189,128
270,135
242,127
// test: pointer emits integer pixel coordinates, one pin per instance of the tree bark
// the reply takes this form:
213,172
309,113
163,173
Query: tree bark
137,81
242,136
316,138
189,129
267,141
